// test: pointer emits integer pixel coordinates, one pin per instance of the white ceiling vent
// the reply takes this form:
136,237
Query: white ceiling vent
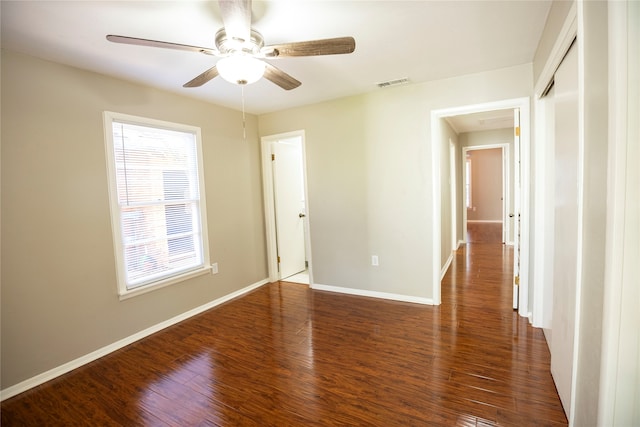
395,82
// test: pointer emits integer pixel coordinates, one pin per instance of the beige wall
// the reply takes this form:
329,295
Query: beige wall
370,177
59,299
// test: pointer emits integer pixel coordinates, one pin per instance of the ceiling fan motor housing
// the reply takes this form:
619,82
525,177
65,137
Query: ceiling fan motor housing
228,45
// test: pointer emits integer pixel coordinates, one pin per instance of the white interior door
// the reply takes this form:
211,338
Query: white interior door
288,183
566,225
505,194
517,179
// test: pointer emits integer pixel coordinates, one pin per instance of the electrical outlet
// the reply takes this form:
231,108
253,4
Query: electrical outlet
374,260
214,268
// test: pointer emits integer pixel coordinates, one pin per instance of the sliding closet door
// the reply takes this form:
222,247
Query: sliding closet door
566,225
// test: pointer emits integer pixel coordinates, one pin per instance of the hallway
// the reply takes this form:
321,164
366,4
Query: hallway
500,362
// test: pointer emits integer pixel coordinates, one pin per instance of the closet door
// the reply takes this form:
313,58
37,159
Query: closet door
566,225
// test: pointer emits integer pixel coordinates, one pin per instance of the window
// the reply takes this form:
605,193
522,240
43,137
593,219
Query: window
157,202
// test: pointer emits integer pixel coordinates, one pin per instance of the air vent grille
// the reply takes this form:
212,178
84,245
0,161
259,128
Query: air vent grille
395,82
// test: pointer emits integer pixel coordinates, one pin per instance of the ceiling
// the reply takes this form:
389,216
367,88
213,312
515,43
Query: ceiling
486,120
421,40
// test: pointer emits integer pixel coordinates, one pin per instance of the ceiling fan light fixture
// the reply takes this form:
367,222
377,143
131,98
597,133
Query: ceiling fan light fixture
241,69
241,50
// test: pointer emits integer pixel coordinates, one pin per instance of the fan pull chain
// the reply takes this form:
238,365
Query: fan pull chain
244,121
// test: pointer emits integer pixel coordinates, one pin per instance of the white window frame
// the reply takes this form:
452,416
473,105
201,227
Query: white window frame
204,267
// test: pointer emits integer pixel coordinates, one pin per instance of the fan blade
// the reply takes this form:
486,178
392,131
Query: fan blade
202,78
336,46
156,43
279,77
236,16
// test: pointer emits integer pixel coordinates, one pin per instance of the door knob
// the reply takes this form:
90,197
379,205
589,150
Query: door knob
301,215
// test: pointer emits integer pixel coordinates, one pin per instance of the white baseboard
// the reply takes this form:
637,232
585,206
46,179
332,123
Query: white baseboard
460,243
446,266
492,221
87,358
372,294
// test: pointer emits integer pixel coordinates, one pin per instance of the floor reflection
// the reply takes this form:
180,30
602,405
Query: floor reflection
285,355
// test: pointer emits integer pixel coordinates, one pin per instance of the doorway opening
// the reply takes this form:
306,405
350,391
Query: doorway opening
487,187
286,207
520,168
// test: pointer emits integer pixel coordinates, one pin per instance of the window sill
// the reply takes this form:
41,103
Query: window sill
123,295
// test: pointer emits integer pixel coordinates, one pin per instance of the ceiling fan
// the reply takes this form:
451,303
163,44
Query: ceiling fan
242,51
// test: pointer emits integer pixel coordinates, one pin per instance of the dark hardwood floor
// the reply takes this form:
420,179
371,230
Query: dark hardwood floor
285,355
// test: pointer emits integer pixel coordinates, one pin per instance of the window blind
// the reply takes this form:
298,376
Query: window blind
159,202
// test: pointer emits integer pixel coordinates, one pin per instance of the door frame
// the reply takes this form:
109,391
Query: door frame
269,204
506,188
521,205
453,183
619,350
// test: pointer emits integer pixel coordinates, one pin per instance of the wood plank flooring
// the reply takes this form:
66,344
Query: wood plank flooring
285,355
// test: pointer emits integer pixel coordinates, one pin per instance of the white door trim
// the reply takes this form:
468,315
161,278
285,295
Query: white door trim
269,205
454,195
620,364
435,148
544,186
